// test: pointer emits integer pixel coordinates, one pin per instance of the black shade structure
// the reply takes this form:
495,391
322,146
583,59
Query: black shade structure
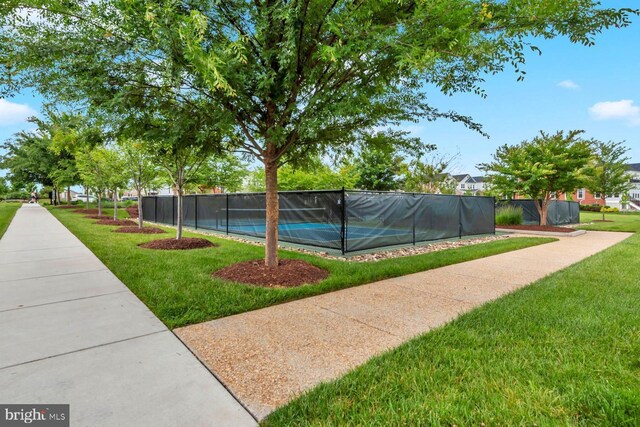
560,212
343,220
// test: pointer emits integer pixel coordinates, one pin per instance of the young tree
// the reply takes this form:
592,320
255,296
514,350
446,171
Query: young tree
141,169
378,169
226,172
548,164
94,167
430,175
608,171
116,171
294,77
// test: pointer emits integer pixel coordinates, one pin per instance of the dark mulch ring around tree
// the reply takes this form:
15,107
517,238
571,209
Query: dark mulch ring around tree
67,207
119,222
602,220
289,273
538,228
87,211
137,230
132,211
103,216
173,244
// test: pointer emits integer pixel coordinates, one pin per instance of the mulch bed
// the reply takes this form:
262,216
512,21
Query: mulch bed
137,230
133,212
103,216
87,211
182,244
289,273
119,222
602,220
67,207
538,228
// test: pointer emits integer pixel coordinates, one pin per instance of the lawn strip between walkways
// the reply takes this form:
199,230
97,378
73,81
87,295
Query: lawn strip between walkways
179,288
7,212
563,351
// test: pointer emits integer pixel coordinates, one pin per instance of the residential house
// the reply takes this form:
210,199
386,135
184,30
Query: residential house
470,185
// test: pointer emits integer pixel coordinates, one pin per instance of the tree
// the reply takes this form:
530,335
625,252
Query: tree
378,169
95,168
608,170
430,175
117,176
225,172
4,188
548,164
140,167
294,78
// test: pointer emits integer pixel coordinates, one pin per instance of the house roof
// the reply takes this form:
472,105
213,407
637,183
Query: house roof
634,167
461,177
478,179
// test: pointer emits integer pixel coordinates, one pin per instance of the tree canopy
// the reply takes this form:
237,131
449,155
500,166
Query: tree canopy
285,79
546,165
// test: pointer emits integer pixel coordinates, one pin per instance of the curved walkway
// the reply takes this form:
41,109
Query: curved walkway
72,333
269,356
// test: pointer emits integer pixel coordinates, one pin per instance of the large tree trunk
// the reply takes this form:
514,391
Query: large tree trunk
140,220
542,205
179,218
68,195
271,183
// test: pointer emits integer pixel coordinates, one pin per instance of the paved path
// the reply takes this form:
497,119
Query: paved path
267,357
71,332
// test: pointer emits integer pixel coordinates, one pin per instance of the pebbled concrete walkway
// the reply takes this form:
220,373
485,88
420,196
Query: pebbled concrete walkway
269,356
71,332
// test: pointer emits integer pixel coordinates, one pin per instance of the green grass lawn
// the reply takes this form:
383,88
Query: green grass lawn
177,285
563,351
620,221
7,211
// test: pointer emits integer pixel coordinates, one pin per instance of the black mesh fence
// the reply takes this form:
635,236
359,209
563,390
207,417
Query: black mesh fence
560,212
342,220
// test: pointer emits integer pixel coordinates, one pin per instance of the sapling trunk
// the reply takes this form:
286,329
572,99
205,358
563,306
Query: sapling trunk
115,204
99,194
68,195
179,215
140,220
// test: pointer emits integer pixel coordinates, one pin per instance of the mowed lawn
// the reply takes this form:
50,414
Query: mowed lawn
7,212
178,287
563,351
615,221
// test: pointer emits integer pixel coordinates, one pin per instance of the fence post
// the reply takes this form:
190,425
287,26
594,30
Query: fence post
460,217
227,211
343,228
413,223
495,201
195,198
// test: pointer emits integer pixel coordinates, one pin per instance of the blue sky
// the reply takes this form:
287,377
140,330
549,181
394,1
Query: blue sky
596,89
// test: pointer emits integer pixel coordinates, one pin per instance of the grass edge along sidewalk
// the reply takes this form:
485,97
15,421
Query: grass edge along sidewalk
7,212
563,351
177,285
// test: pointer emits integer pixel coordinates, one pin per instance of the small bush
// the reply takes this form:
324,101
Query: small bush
609,209
509,215
591,208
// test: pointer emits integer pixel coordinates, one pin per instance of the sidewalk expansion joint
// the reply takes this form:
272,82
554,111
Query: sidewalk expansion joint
62,301
357,320
55,275
82,349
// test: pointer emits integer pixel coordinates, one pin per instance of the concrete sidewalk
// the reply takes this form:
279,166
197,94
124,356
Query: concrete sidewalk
269,356
71,332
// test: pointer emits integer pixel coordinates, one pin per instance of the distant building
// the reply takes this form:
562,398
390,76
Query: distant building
470,185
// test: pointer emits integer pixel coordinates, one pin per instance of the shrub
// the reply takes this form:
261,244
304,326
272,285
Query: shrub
591,208
609,209
509,215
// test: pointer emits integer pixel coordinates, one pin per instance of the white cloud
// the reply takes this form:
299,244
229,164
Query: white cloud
12,113
624,109
569,84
